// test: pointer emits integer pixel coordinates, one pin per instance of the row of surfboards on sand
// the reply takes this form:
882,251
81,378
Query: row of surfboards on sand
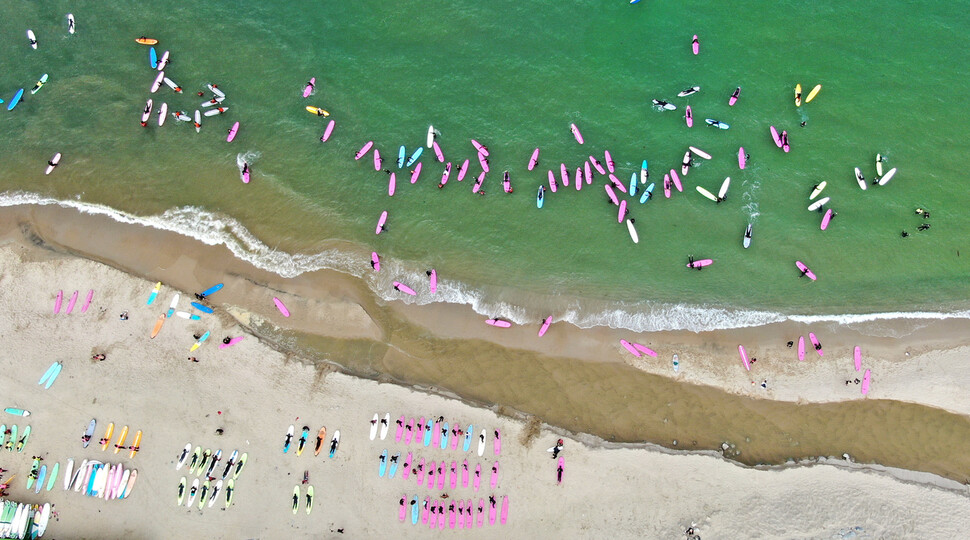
388,466
207,464
207,492
461,514
96,479
108,435
59,301
304,439
433,433
14,440
22,520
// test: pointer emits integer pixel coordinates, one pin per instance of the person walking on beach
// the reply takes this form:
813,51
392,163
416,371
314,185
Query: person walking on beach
556,449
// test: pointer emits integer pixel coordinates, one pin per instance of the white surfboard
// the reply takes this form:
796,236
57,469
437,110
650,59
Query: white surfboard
689,91
198,121
158,82
860,179
385,425
162,113
215,90
173,305
746,242
147,112
163,61
706,193
53,163
664,106
889,176
685,165
214,101
879,164
818,189
700,152
481,443
724,188
214,112
70,23
373,426
171,84
32,39
633,232
818,204
430,140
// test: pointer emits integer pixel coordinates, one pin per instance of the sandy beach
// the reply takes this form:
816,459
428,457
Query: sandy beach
253,392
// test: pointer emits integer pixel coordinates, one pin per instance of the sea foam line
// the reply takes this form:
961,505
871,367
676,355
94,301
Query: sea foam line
214,229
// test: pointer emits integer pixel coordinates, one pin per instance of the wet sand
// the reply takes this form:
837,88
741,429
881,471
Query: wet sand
580,380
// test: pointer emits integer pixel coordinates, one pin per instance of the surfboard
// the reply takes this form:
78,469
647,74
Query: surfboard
47,374
23,439
630,348
798,95
329,131
746,241
70,23
706,193
722,193
633,232
41,475
232,132
216,111
414,156
735,96
817,190
88,433
317,111
676,179
499,323
204,494
784,142
39,85
818,204
857,355
664,106
87,301
578,178
647,193
16,412
534,160
441,157
742,158
404,288
889,176
495,469
146,41
334,442
813,93
540,196
645,350
611,193
689,91
483,162
805,271
391,184
163,61
815,343
697,151
288,439
479,147
215,493
309,87
481,442
621,211
301,444
13,438
146,112
187,315
162,114
826,219
201,340
280,306
172,84
32,39
121,439
184,456
68,473
377,160
685,163
382,468
865,381
135,446
157,83
689,117
576,133
400,157
239,465
430,139
154,293
744,357
878,164
667,185
153,58
717,123
321,436
700,264
15,100
385,424
211,290
861,180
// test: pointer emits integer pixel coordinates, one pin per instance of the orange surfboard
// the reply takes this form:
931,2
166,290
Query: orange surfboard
146,41
158,325
136,446
107,436
121,439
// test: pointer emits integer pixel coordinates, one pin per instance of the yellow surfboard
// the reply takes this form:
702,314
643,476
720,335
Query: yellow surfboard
158,325
121,439
107,436
798,95
317,111
135,447
813,93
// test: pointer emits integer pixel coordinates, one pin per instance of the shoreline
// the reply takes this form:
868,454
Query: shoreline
366,337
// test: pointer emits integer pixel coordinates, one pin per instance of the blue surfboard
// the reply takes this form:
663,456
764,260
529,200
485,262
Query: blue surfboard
414,157
414,510
16,99
633,185
201,307
444,436
427,433
153,57
212,289
647,193
468,438
400,157
540,196
383,467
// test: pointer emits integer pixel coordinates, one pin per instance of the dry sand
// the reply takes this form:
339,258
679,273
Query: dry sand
643,492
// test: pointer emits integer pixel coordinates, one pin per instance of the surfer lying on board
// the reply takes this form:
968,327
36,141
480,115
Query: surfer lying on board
805,273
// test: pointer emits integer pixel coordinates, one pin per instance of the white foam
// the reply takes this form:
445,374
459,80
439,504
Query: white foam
212,228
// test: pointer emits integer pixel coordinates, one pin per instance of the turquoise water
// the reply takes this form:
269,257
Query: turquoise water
514,75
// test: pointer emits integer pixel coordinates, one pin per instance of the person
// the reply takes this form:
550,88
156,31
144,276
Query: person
123,316
396,289
373,266
200,93
199,296
818,346
193,359
803,124
764,384
923,227
491,500
99,357
219,431
481,192
556,449
394,459
753,360
226,340
245,168
790,343
306,477
310,84
904,234
196,336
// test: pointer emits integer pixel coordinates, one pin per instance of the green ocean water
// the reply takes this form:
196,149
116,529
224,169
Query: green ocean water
514,75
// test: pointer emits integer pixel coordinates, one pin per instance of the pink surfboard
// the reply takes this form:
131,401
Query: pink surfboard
435,438
87,301
377,159
645,350
597,165
424,511
477,479
380,222
453,477
505,509
281,307
71,302
480,515
309,87
445,174
494,480
441,516
462,170
483,162
689,117
611,193
416,173
58,301
420,472
498,322
616,182
744,357
578,179
232,342
815,343
441,475
576,133
621,213
329,131
363,150
564,174
375,261
858,358
468,514
626,345
506,183
695,45
433,281
456,435
775,137
479,147
609,160
700,264
588,173
403,507
478,182
491,513
784,142
437,152
245,175
391,185
497,445
464,473
534,160
431,466
667,186
552,181
545,326
404,288
451,515
805,271
801,348
741,158
399,433
232,132
461,513
408,435
826,219
676,179
734,96
865,381
562,467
